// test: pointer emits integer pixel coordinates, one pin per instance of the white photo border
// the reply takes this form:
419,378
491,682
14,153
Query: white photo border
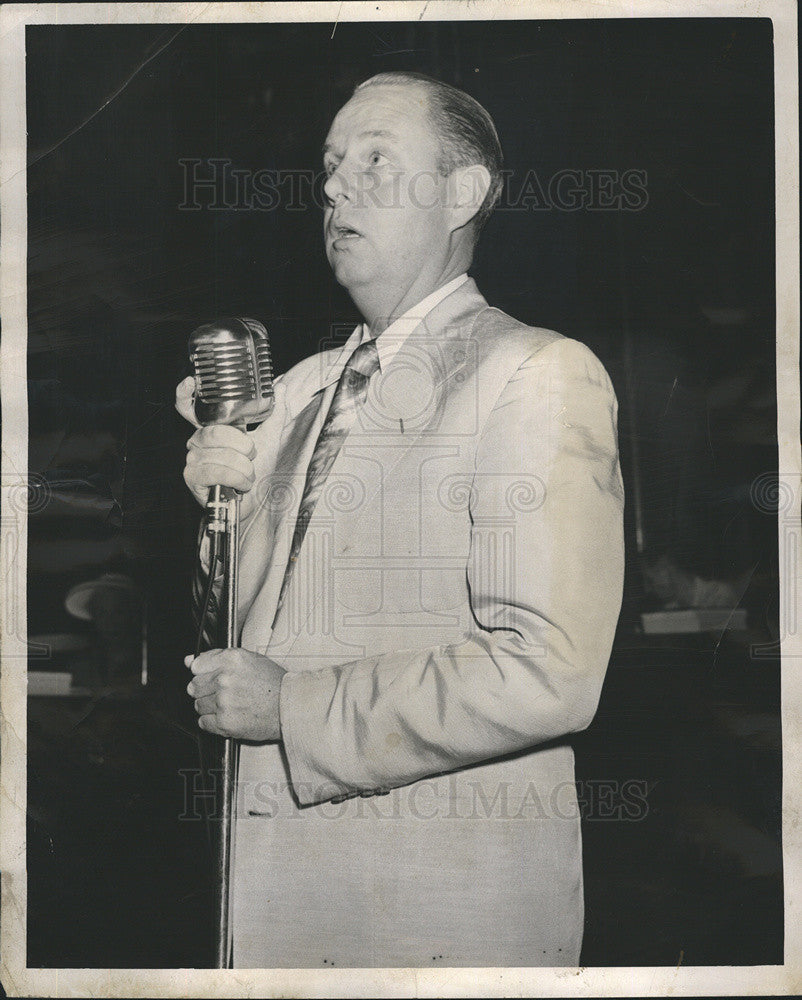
17,979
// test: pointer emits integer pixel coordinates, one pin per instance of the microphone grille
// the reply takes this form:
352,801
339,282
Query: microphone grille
264,368
233,372
224,372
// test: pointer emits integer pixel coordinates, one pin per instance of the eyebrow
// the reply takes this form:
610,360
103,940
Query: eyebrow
377,133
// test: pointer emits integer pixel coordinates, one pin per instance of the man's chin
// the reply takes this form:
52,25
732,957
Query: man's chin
347,273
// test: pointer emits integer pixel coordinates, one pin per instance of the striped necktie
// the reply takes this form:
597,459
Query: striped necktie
349,395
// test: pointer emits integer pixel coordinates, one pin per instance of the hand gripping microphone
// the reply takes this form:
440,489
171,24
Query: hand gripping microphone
233,385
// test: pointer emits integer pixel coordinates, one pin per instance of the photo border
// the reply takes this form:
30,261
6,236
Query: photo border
17,979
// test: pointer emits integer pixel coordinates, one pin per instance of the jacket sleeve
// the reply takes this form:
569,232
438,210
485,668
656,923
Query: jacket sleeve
545,612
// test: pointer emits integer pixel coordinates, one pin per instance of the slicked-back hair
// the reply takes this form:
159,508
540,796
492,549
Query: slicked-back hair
465,130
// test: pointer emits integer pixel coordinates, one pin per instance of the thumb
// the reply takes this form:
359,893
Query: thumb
185,400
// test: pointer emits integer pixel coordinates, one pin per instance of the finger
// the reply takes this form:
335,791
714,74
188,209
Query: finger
235,460
205,684
189,660
221,469
185,400
223,436
205,662
185,388
209,724
206,705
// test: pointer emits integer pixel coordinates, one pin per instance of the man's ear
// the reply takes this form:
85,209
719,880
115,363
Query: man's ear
467,188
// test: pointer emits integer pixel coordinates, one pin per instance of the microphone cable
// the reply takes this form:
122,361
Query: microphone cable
214,556
203,748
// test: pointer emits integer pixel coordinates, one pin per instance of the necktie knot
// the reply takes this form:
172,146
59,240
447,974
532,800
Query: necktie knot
365,359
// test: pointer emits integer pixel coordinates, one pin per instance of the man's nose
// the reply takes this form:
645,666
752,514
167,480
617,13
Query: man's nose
337,187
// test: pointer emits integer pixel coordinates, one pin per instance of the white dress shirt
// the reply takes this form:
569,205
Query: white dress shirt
390,340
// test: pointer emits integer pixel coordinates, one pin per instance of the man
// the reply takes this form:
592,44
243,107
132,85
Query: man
421,636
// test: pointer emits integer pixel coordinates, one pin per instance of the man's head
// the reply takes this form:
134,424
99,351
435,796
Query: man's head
414,170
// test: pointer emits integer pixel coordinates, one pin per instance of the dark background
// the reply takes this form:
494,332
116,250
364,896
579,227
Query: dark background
676,298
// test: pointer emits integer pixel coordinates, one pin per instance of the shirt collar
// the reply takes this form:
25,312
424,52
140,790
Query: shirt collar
390,340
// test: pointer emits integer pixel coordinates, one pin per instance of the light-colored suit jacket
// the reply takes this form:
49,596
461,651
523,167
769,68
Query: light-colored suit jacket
449,622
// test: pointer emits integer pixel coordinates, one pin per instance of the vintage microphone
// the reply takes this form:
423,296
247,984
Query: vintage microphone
233,385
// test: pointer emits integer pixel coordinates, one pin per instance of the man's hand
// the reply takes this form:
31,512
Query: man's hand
219,455
236,693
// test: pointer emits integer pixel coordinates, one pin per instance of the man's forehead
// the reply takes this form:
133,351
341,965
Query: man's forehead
369,133
382,111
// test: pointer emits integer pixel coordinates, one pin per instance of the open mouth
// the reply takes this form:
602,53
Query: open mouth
344,233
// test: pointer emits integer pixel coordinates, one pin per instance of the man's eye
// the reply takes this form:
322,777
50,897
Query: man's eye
376,158
329,168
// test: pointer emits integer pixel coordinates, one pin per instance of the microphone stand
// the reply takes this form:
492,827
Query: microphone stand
223,509
233,386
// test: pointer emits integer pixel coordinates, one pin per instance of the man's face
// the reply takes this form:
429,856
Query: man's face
386,220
